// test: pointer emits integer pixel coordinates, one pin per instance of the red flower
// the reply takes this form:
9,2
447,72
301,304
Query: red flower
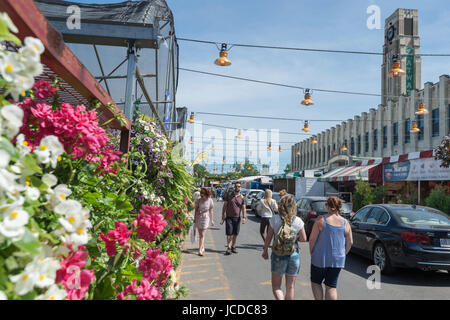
155,266
150,222
142,292
121,234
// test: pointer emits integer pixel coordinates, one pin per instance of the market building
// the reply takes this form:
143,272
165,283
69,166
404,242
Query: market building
385,131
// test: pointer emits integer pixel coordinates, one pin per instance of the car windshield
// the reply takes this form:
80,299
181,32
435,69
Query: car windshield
422,217
319,206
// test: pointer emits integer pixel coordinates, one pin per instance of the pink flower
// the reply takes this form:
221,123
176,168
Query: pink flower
155,266
44,90
142,292
169,213
150,222
186,201
75,279
120,234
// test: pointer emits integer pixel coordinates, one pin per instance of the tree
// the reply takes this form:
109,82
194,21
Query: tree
443,152
363,195
288,168
439,199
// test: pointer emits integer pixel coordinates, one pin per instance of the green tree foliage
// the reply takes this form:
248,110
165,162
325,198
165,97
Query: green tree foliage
439,198
443,152
363,195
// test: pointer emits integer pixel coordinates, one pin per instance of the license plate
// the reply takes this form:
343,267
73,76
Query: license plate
445,243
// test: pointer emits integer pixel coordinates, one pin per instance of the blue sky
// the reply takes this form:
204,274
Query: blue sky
319,24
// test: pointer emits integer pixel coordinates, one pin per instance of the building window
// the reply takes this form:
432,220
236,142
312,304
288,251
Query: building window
385,137
407,128
366,142
435,122
395,133
420,124
352,146
375,139
359,145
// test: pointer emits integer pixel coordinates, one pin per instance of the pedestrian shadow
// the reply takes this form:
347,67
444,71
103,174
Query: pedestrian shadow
254,218
258,247
411,277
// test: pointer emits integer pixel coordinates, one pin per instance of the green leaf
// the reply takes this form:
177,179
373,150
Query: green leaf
123,203
29,163
29,243
8,147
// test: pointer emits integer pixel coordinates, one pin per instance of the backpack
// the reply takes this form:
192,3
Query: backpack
284,242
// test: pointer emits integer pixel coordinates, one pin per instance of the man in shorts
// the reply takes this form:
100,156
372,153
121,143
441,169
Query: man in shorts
231,213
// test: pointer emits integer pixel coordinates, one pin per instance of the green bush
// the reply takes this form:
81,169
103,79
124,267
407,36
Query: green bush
439,199
363,195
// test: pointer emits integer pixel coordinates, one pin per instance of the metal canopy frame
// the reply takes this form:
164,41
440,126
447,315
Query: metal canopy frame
134,37
79,85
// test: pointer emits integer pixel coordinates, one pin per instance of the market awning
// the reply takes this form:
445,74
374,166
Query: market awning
352,173
332,173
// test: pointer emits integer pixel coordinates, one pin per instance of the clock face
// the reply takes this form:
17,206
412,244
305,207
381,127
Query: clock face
390,33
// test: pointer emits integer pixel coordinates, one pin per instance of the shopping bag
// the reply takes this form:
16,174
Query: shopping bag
193,233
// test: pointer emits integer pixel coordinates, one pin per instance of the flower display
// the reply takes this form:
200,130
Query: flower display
78,220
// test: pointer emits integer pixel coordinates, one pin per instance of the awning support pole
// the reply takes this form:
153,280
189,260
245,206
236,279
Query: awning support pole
131,81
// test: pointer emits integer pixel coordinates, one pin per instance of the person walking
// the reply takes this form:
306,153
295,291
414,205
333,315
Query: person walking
329,243
233,205
266,207
203,217
284,261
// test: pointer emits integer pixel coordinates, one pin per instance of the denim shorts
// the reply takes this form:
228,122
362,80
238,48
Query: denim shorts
330,275
232,226
289,265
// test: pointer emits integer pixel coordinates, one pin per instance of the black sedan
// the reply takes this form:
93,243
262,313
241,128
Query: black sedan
407,236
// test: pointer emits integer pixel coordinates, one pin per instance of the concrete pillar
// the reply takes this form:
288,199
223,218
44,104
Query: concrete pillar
444,115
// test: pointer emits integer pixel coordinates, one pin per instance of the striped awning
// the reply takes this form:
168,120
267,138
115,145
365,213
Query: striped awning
399,158
332,173
352,173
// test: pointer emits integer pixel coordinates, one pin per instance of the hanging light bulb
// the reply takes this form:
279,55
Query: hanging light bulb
250,154
190,141
298,153
270,146
421,109
313,140
213,148
259,161
223,61
307,101
279,149
306,127
249,168
344,148
239,136
414,128
191,118
223,160
396,70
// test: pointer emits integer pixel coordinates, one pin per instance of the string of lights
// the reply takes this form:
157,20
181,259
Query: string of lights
295,120
308,49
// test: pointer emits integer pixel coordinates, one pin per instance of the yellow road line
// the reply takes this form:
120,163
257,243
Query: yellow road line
190,272
202,264
266,283
211,290
201,280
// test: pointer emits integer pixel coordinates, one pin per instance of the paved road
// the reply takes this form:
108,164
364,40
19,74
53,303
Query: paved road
246,276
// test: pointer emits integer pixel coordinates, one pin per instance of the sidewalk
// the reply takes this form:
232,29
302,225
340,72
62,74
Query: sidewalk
203,275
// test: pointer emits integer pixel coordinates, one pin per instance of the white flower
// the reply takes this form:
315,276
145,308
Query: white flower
24,281
11,66
14,220
73,214
33,48
4,159
5,19
32,193
49,150
57,195
22,145
13,116
146,128
53,293
61,252
3,296
46,271
50,180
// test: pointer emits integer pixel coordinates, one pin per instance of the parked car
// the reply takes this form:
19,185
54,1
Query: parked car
252,193
310,208
395,235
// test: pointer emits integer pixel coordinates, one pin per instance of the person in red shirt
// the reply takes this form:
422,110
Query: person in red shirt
233,205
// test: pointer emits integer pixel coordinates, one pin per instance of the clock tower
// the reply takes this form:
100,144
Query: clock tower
402,42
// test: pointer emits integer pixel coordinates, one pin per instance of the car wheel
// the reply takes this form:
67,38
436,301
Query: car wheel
381,259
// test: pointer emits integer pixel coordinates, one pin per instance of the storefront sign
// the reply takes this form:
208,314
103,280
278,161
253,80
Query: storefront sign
409,70
426,169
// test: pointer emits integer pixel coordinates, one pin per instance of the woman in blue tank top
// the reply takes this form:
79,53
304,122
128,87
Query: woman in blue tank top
329,243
